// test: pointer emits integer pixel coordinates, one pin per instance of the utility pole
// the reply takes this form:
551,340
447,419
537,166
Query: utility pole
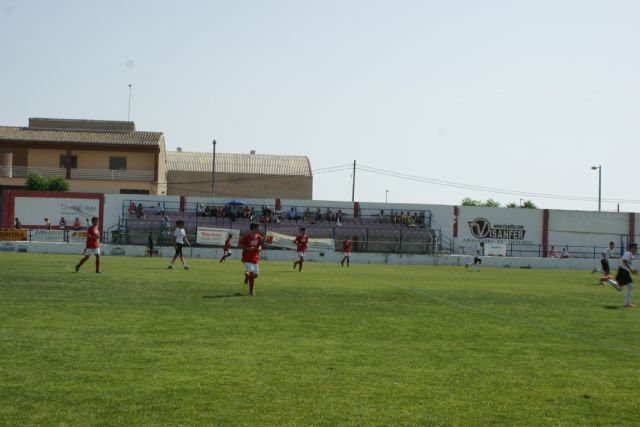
353,189
213,171
129,111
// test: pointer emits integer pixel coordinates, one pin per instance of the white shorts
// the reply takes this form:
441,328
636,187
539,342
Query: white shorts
227,253
347,254
251,268
90,251
301,254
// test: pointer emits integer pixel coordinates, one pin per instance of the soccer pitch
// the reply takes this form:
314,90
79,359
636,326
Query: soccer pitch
365,345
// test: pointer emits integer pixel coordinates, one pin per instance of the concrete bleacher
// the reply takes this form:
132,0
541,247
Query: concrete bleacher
368,233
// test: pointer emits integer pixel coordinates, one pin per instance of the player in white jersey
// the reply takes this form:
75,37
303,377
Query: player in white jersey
477,261
623,277
605,256
180,239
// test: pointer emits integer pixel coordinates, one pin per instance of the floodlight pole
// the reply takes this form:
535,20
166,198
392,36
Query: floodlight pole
599,168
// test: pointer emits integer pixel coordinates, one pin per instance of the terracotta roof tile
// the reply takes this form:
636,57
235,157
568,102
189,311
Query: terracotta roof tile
260,164
54,136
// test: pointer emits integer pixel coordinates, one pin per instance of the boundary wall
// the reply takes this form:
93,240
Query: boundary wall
214,254
526,232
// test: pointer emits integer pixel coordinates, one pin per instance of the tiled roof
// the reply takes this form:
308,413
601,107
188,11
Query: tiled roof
260,164
72,136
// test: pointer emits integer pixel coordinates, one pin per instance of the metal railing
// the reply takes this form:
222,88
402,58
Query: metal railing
88,174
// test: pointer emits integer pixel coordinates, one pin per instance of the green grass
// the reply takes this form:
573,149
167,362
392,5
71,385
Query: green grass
368,345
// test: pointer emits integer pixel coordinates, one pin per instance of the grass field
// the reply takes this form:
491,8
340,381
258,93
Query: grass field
368,345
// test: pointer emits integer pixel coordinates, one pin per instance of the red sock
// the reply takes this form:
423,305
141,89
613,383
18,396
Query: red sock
251,280
97,264
300,268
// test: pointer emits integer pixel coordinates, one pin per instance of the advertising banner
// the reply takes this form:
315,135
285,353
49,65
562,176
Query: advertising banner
495,249
79,236
216,236
43,235
33,210
12,234
286,242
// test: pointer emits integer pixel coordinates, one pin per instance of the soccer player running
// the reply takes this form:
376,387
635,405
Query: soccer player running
180,239
346,250
301,241
227,248
623,277
92,246
605,256
476,260
251,245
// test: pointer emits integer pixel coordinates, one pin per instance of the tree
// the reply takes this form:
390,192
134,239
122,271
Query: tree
37,182
57,183
490,203
512,205
468,201
528,204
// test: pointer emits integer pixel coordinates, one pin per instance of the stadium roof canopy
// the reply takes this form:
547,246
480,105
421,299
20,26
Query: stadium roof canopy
90,132
257,164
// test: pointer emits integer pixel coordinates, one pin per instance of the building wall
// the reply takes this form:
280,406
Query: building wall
240,185
161,185
91,159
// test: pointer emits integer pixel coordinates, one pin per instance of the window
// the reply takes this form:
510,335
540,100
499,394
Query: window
63,161
118,163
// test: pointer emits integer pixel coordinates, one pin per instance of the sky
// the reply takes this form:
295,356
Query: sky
435,101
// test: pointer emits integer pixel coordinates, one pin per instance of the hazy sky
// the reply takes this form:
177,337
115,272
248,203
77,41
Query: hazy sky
520,96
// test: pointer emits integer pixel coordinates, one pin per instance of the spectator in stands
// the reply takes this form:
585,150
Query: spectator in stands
77,225
47,224
201,211
565,253
328,215
133,209
18,224
246,212
306,215
381,216
292,215
166,222
62,224
220,212
552,253
339,215
159,210
140,211
318,215
253,213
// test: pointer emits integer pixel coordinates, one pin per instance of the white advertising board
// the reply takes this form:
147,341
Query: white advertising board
33,210
495,249
286,242
216,236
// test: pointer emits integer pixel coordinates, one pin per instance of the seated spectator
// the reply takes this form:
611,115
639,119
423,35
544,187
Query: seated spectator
339,215
381,216
306,215
77,225
18,224
201,211
318,215
246,212
166,222
552,253
47,224
292,215
62,224
565,253
159,210
220,212
253,213
133,209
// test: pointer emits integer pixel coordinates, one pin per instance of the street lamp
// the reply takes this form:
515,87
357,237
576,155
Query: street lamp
599,168
386,194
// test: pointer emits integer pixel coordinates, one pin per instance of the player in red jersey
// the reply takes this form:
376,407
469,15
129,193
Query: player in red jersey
251,244
346,250
227,248
301,241
93,246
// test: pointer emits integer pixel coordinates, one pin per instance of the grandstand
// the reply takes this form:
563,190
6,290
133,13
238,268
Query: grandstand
369,232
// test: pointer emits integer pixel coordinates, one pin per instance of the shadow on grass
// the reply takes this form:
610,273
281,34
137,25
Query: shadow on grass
611,307
235,294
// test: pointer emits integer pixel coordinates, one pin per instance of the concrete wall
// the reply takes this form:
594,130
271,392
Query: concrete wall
275,255
239,185
91,159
